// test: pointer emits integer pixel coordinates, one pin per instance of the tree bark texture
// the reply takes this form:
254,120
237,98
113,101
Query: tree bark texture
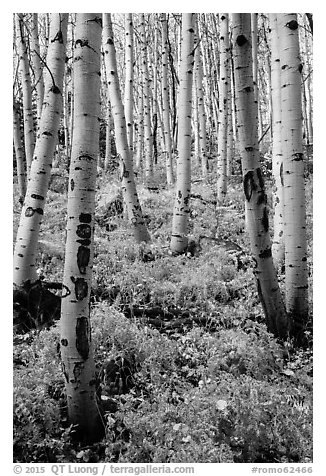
277,157
127,173
29,136
296,283
223,107
47,137
75,339
253,183
179,239
166,102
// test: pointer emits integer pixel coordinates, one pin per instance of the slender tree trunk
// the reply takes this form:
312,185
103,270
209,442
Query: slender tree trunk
223,107
148,136
140,127
166,102
154,90
255,196
37,67
76,345
128,96
108,148
127,175
179,239
202,117
19,153
29,136
33,209
296,283
277,160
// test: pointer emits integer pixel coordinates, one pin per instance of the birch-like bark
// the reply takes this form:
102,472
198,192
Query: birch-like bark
75,339
47,137
128,95
253,183
148,136
202,117
166,102
223,107
179,239
127,173
29,136
19,153
296,283
37,67
277,157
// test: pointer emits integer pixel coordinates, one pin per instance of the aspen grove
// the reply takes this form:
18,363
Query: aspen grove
162,270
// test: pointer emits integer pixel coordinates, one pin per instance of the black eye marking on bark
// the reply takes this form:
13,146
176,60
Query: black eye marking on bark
83,255
84,231
29,212
281,174
85,217
241,40
82,342
37,197
249,185
81,288
72,184
293,25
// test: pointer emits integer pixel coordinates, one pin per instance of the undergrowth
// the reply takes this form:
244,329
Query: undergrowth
214,387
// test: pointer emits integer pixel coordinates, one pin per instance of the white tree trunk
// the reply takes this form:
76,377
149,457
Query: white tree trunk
33,209
179,239
75,339
296,283
253,183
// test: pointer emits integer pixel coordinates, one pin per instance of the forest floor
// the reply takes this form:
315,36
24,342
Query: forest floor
188,371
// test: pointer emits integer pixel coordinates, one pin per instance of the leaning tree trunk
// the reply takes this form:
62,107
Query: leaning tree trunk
75,339
33,209
179,239
127,173
296,281
277,157
253,183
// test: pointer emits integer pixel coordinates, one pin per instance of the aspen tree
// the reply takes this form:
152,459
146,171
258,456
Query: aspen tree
201,105
37,67
179,239
148,136
166,102
254,42
75,339
19,153
33,208
253,183
29,136
277,157
128,96
296,285
108,147
140,128
223,108
154,92
127,173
